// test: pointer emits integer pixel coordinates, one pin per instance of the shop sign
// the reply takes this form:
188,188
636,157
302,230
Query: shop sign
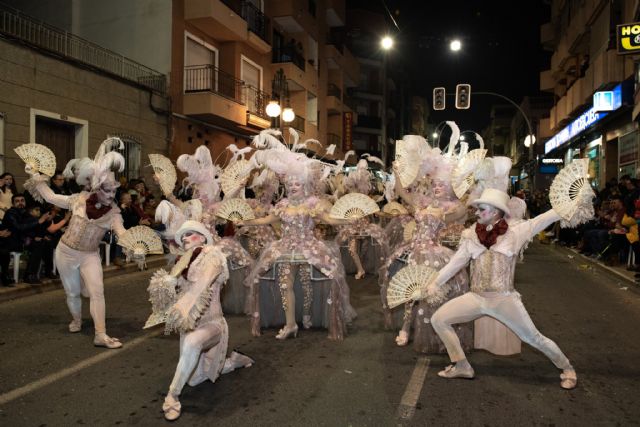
348,131
628,36
578,125
552,161
608,100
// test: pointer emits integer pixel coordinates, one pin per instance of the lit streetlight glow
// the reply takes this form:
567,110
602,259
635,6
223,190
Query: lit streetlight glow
529,140
435,134
386,42
455,45
273,109
288,115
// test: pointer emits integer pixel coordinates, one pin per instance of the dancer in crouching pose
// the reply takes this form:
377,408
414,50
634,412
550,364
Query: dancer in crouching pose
193,286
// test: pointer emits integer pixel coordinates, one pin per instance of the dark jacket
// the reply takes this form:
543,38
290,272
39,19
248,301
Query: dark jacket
21,224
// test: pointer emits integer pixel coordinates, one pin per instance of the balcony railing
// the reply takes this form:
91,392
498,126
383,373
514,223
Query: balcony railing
334,90
332,138
257,21
14,24
288,54
298,123
207,78
256,101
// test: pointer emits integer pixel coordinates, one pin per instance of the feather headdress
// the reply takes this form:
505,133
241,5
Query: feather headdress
201,173
98,172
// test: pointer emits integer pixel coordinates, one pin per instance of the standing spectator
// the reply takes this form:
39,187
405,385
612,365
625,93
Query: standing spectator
58,184
7,190
21,223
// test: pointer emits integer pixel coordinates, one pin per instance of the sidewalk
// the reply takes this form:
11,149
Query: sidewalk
23,289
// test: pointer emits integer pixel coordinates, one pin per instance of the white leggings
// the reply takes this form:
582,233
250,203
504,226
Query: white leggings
77,268
192,344
506,308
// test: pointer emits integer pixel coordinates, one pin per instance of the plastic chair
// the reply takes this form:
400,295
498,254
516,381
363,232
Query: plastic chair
15,256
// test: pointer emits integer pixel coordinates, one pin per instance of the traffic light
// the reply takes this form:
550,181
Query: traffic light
438,98
463,96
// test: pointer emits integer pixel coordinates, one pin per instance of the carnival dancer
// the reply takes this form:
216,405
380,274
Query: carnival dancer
265,186
191,291
435,215
492,247
298,250
203,176
359,181
93,214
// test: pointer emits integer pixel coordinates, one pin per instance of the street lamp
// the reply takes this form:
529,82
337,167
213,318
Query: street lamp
529,140
279,94
386,43
455,45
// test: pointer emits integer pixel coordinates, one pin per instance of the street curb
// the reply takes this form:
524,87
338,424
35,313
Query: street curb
22,289
627,276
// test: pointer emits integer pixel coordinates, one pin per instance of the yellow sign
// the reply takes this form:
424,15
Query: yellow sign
628,38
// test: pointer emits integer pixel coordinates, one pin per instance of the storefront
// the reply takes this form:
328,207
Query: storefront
605,134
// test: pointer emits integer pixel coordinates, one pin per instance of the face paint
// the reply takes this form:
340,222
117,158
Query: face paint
486,214
192,239
106,195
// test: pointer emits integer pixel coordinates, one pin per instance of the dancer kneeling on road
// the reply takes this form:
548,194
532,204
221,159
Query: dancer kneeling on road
492,247
191,294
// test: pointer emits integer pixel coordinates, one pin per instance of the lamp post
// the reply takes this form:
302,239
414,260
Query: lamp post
280,98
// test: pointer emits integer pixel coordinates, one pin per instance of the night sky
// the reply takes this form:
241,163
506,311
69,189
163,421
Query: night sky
500,53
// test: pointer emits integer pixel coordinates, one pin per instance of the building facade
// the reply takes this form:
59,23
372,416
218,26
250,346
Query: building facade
585,62
69,94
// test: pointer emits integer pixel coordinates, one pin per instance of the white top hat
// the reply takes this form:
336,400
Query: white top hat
493,197
196,226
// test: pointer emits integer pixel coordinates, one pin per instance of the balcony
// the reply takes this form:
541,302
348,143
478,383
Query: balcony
334,139
220,20
256,102
298,123
211,94
547,82
288,54
547,36
18,26
336,13
292,15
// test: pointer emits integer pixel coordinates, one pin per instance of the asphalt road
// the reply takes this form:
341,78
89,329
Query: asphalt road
49,377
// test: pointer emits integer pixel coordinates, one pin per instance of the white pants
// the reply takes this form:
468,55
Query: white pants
507,308
77,268
192,345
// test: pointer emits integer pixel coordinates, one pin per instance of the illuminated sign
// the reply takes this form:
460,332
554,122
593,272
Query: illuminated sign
608,100
552,161
628,38
586,119
348,131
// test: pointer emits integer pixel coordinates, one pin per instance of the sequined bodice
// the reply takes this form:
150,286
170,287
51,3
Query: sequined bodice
493,272
84,234
297,226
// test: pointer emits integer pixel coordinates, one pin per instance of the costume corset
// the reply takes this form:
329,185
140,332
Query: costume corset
213,311
84,234
297,229
493,272
427,227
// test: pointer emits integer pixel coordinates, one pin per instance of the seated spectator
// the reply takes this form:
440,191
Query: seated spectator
37,240
596,240
21,224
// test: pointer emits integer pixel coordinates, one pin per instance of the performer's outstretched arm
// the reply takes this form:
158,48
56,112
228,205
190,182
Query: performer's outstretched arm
458,261
48,195
527,230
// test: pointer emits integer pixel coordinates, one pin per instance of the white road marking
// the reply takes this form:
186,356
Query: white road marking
49,379
412,393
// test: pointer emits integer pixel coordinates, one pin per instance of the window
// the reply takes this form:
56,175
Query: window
1,142
312,109
132,154
251,74
200,65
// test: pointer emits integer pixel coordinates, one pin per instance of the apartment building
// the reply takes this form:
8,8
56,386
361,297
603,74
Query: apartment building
65,92
231,57
581,35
